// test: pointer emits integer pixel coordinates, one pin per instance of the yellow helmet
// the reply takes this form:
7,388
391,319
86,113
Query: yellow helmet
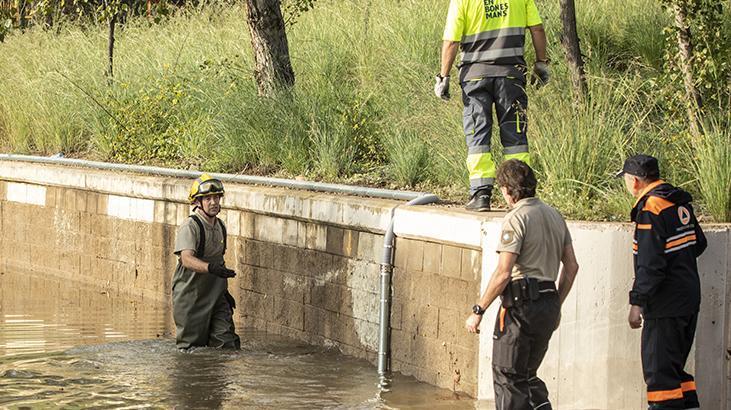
205,185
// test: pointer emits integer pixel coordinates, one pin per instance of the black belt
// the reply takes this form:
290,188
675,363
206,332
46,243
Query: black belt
546,285
523,290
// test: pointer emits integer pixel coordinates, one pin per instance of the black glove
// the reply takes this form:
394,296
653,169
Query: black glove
541,73
220,270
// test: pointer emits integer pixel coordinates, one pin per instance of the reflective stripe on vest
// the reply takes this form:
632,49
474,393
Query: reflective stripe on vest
503,46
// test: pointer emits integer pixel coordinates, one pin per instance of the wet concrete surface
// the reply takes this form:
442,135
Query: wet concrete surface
66,345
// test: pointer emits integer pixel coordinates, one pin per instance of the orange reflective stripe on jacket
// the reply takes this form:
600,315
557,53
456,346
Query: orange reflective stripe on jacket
688,386
663,395
680,241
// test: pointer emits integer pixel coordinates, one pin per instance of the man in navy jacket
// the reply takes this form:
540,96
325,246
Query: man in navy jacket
666,291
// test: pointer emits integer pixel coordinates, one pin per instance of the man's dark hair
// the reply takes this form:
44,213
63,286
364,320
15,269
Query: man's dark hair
518,178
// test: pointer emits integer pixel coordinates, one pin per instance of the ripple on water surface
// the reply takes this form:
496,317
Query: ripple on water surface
62,345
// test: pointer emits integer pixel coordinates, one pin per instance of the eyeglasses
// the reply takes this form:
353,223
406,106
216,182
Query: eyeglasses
212,186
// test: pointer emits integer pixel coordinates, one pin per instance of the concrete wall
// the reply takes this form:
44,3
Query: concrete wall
308,268
308,264
68,233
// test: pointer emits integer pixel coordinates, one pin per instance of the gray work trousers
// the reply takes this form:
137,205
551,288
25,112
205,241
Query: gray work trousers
508,96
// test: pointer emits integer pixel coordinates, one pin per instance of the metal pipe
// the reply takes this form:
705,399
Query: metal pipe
384,330
243,179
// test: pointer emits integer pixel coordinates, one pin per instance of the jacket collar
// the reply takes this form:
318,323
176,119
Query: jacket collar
647,190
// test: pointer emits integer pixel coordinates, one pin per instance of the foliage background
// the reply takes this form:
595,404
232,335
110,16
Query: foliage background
362,110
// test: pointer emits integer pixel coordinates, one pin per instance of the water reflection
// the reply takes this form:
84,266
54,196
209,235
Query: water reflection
45,314
198,381
62,345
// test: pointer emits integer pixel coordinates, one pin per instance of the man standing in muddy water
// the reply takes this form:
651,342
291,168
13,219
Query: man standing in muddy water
202,306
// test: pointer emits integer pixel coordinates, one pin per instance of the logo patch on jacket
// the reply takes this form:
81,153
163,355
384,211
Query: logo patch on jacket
507,237
684,215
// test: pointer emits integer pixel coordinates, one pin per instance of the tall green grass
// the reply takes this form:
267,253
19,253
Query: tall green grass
362,108
579,147
712,164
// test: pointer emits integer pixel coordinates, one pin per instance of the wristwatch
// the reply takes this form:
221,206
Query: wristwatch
478,310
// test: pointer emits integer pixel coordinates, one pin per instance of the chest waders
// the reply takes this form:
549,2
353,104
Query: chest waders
202,246
202,305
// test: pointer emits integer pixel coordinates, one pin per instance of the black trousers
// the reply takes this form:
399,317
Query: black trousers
519,345
666,345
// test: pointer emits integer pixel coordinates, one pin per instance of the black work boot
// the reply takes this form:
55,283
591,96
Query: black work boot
480,201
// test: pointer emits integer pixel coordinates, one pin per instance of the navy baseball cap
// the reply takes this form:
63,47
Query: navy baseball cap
640,165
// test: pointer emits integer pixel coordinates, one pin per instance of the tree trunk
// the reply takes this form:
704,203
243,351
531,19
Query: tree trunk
273,69
110,50
685,51
570,43
22,14
49,18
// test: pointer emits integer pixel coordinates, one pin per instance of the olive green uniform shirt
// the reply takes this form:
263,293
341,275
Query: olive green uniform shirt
195,295
538,234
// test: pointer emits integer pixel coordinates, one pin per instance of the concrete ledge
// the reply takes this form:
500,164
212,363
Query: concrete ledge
442,224
445,225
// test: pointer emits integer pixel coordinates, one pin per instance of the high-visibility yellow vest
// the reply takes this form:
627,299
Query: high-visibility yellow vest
491,31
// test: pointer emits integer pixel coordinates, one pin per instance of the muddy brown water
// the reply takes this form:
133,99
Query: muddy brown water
66,345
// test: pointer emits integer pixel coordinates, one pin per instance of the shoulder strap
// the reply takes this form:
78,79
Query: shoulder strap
202,240
202,243
223,228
